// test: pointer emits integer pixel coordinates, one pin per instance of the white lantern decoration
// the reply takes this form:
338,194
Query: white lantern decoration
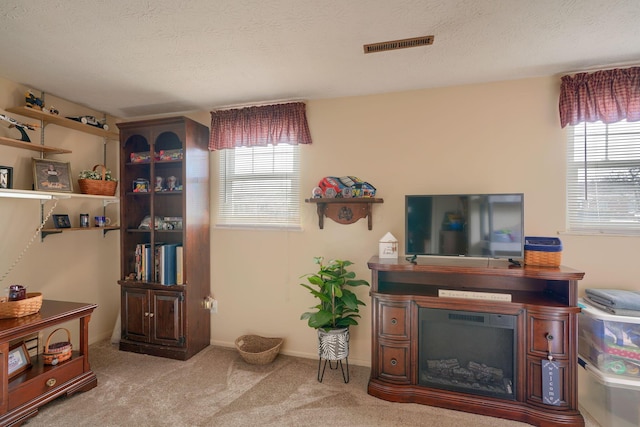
388,246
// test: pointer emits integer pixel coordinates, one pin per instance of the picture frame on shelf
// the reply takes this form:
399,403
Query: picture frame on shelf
61,221
140,185
18,359
52,175
6,177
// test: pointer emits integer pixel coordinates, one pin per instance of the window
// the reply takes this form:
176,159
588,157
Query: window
259,186
603,178
259,164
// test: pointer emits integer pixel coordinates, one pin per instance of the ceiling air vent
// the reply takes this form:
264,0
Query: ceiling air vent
398,44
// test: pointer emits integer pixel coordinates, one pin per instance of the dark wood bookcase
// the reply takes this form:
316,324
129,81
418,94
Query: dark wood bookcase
165,320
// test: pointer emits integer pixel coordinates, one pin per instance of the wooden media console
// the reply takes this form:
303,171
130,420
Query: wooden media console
541,303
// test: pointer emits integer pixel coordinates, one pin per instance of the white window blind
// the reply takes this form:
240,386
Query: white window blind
603,178
259,187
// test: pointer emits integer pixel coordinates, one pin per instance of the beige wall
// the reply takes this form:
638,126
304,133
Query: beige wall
499,137
74,266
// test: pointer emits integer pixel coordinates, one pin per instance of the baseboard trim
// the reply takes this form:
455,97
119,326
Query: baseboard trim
303,355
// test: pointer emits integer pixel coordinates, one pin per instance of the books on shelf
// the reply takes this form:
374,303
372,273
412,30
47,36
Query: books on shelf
179,265
490,296
167,264
143,259
163,264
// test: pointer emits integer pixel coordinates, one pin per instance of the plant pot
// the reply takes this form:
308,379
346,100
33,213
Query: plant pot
333,344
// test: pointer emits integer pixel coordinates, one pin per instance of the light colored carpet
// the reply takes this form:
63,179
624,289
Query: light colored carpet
217,388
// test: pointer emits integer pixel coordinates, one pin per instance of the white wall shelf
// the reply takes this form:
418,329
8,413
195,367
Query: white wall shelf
48,195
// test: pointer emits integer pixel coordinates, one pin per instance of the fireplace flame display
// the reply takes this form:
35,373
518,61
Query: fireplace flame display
477,376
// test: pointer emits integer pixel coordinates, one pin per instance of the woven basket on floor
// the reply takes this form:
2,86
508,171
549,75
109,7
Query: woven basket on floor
57,352
258,350
24,307
98,187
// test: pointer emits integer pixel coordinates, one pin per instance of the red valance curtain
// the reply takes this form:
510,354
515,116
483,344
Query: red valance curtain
259,126
608,96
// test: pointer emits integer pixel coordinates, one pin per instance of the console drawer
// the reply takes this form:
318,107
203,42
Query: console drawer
547,330
45,382
393,319
534,385
393,362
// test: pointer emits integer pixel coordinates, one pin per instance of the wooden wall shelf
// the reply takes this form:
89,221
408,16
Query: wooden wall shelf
46,231
345,211
63,121
10,142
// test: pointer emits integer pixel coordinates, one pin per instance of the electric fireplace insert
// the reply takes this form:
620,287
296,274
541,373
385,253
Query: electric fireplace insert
469,352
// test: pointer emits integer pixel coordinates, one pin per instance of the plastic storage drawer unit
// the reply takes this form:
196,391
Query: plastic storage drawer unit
613,401
610,342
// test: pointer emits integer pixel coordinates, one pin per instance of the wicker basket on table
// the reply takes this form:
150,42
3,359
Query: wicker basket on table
258,350
57,352
24,307
98,187
543,251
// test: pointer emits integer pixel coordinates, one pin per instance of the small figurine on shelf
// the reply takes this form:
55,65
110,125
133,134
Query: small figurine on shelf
52,110
172,183
33,101
159,181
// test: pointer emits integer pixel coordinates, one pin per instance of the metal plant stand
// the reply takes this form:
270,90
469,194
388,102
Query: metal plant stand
333,346
345,375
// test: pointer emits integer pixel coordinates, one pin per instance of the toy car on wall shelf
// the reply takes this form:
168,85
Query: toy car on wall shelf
91,121
33,101
38,103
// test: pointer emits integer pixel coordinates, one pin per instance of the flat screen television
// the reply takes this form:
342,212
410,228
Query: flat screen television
465,225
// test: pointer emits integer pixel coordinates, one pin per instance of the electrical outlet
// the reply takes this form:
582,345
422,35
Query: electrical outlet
214,306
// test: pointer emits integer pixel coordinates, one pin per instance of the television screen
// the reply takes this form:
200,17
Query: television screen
473,225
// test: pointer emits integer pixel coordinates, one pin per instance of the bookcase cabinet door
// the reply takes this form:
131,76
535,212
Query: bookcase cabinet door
135,314
167,318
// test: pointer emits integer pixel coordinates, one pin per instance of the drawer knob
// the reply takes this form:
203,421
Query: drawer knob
394,321
51,382
394,362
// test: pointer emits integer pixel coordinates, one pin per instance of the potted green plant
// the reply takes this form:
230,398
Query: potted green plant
337,309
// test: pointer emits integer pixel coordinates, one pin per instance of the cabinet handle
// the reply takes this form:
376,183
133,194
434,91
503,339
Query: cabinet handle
150,314
146,314
394,321
51,382
394,362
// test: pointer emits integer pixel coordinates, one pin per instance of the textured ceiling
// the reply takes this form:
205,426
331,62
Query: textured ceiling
132,58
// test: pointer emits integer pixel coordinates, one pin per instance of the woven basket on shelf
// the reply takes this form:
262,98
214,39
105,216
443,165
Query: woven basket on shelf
543,251
98,187
57,352
542,259
258,350
24,307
